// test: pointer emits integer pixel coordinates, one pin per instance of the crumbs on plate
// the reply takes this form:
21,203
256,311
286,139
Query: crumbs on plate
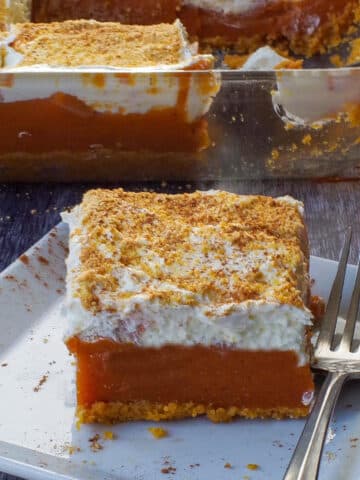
72,449
42,380
94,443
158,432
170,469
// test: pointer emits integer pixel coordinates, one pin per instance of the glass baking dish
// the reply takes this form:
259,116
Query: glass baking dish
260,124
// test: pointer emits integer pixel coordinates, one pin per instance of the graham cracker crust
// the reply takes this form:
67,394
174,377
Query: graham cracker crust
115,412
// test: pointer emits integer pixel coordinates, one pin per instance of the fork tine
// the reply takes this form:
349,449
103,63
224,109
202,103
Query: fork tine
351,318
332,310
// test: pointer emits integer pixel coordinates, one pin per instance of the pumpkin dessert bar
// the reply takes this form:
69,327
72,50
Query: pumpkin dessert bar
189,304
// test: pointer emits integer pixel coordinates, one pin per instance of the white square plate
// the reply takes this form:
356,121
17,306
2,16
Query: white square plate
37,417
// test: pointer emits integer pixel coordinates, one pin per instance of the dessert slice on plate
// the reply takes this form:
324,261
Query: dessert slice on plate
192,304
73,87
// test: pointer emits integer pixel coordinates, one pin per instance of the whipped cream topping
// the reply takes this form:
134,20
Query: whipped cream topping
135,96
306,97
228,6
137,317
265,58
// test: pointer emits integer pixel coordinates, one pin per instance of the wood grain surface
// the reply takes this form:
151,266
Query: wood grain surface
27,212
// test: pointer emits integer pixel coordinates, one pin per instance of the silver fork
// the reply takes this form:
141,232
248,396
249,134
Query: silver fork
339,362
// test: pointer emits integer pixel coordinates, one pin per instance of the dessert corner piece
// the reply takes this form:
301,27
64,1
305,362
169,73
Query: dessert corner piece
185,305
140,103
81,43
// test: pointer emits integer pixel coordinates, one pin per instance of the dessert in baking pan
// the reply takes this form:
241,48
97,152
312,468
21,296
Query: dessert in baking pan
307,26
122,109
189,304
130,98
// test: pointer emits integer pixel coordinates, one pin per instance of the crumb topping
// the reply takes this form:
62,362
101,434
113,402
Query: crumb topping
213,248
88,42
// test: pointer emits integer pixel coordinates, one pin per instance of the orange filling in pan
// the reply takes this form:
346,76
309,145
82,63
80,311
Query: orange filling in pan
62,122
119,382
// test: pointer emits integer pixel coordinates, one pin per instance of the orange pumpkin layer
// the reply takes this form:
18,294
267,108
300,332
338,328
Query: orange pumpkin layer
196,379
62,122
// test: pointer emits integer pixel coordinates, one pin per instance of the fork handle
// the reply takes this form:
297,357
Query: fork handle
305,461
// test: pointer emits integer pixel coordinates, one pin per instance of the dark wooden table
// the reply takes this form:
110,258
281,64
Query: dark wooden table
27,212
